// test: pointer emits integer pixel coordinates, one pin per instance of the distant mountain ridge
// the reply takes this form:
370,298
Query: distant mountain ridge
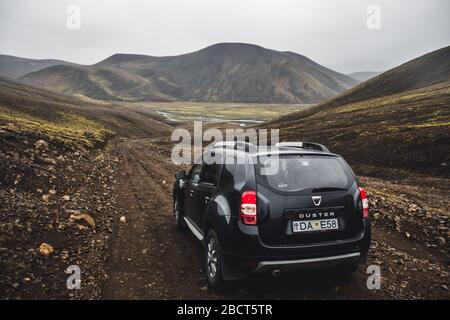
15,67
225,72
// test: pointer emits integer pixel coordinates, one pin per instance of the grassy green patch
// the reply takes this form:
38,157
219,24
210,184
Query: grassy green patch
70,129
212,111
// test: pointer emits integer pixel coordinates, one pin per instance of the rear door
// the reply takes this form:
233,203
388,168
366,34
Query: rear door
310,199
206,189
191,192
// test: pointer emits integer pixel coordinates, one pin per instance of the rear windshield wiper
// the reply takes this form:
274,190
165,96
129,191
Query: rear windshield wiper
326,189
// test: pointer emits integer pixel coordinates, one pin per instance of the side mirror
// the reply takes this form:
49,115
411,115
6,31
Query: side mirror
180,175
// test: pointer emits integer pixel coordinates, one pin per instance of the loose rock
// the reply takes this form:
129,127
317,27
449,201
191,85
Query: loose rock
45,249
41,144
83,217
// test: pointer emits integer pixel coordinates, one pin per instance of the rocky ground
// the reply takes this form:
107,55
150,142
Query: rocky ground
57,209
51,197
418,212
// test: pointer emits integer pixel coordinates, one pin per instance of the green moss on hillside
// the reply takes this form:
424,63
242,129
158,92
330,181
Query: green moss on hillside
70,129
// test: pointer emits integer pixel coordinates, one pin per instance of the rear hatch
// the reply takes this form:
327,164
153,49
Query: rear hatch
309,199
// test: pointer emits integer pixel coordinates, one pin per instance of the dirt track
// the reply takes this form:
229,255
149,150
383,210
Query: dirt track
149,259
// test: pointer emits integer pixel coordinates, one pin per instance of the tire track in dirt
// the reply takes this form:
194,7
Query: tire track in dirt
148,259
151,260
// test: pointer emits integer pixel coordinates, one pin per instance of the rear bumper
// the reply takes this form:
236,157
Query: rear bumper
245,254
303,264
244,242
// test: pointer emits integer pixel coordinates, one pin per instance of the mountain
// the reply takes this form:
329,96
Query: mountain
364,75
225,72
397,120
424,71
15,67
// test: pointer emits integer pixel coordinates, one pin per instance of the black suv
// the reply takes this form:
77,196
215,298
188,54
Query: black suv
308,213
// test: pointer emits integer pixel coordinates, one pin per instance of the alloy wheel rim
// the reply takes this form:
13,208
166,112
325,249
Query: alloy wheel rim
211,258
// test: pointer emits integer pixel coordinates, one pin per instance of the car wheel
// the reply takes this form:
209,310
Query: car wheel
178,219
213,261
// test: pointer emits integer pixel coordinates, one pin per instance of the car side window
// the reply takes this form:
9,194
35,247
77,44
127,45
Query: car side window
211,174
194,175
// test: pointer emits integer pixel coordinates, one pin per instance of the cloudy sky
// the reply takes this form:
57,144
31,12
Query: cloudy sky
331,32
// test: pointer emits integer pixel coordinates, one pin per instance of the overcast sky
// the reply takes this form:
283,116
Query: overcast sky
331,32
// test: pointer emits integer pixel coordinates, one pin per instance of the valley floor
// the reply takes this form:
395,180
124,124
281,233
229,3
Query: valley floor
149,259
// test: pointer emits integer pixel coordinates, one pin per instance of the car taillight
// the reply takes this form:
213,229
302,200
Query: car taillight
364,203
248,207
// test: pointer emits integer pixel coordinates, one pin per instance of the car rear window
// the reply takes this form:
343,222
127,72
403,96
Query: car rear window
303,173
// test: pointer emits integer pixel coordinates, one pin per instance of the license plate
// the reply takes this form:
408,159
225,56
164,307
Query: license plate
315,225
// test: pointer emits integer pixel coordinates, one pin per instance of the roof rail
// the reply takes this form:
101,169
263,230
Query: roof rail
237,145
303,145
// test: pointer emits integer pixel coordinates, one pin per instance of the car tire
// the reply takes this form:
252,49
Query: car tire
177,215
213,260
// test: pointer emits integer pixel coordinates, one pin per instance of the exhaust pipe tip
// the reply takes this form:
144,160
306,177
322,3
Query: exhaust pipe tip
275,273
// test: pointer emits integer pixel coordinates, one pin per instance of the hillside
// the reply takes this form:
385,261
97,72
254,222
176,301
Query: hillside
69,120
15,67
364,75
56,187
427,70
400,119
226,72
